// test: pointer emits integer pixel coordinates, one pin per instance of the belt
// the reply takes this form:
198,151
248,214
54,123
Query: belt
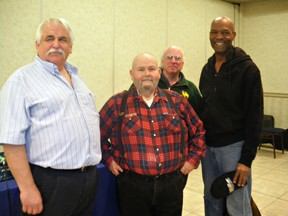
152,178
82,169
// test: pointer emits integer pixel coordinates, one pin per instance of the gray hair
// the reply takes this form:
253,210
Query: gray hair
172,47
61,21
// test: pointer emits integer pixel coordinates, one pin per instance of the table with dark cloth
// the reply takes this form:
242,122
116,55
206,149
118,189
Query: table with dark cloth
105,203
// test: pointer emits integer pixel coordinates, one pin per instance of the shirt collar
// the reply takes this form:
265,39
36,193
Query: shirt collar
53,69
182,81
229,55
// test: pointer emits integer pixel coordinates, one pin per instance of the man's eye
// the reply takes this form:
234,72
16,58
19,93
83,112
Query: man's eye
225,33
170,57
63,39
177,58
49,39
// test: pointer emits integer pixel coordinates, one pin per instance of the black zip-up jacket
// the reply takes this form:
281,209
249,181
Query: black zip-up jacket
233,103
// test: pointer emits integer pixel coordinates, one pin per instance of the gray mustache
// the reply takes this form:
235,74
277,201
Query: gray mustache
53,50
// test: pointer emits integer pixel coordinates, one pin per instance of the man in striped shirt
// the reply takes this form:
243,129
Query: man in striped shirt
50,129
159,142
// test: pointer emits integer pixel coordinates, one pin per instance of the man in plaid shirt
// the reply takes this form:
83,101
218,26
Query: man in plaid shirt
159,144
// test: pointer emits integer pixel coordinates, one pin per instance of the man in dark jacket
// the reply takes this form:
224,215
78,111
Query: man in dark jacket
231,87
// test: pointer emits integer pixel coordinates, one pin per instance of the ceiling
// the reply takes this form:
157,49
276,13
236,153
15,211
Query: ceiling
243,1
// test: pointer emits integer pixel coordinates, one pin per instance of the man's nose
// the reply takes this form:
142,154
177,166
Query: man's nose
219,35
173,59
56,43
146,72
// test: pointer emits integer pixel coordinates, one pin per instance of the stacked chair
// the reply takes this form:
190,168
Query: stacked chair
269,133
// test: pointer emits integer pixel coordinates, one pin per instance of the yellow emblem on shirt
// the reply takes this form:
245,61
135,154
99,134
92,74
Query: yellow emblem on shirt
185,94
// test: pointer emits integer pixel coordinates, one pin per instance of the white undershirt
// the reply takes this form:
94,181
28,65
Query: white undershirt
148,102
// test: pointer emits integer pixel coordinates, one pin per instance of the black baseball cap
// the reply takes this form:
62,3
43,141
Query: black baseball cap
223,185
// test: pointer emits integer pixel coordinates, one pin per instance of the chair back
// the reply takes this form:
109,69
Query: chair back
268,121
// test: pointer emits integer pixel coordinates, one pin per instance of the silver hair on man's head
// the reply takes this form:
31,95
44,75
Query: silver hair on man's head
62,21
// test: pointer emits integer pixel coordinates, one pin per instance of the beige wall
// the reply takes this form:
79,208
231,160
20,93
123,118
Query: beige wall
110,33
263,34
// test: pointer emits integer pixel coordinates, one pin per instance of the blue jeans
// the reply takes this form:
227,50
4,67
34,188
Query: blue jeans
218,161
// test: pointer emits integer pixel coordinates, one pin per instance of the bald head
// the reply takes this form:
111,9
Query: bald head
142,56
224,21
173,49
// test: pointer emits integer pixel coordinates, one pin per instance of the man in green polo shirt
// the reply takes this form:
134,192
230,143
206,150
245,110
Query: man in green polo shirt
172,78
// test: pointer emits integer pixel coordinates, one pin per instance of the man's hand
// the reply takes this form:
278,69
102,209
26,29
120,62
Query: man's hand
115,168
186,168
31,201
30,196
241,175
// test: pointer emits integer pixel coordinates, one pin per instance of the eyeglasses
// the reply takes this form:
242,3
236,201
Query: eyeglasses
177,58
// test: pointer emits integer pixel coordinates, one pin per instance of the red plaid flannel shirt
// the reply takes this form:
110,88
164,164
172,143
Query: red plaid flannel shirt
151,136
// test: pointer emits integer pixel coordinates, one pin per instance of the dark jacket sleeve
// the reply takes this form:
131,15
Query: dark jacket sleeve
253,105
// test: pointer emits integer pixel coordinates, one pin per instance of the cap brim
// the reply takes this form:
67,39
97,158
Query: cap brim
223,185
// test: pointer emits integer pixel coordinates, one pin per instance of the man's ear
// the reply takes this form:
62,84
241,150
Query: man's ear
159,71
71,49
131,75
36,46
234,35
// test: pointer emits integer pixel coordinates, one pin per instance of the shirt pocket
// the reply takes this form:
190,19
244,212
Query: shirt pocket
131,124
87,100
172,122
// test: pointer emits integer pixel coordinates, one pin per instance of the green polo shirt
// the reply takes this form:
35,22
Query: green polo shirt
185,88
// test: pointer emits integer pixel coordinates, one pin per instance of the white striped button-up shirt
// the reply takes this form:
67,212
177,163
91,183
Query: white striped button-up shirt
58,123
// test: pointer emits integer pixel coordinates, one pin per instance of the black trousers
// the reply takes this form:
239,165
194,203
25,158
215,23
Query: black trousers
150,196
66,193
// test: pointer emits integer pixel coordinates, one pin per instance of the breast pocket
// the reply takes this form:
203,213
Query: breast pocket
131,124
172,122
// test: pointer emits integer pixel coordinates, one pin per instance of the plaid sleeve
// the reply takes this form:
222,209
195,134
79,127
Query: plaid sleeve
108,120
196,133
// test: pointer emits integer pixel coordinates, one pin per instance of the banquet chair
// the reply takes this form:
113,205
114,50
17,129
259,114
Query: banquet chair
269,133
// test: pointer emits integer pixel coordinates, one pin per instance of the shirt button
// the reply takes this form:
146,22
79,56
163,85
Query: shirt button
159,164
154,135
152,121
